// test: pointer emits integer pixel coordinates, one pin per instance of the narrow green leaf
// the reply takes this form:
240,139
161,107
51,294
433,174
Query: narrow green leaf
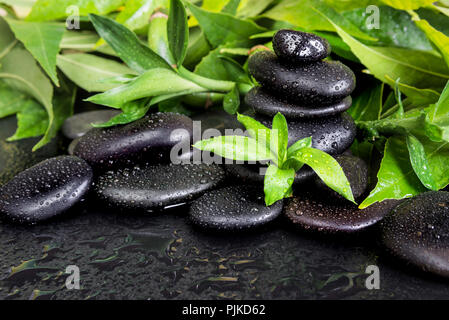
231,7
238,148
157,37
42,40
439,39
368,105
127,46
7,38
396,177
420,163
12,101
408,4
278,184
256,130
178,31
279,138
132,111
231,101
88,71
298,145
153,83
328,169
136,13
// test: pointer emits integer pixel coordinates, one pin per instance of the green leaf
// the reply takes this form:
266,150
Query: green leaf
132,111
396,177
408,4
32,121
42,40
415,68
137,13
27,77
439,39
441,109
278,184
157,37
47,10
420,164
368,105
279,138
79,40
298,145
87,70
7,39
231,101
328,169
235,71
395,28
12,100
250,8
153,83
178,31
418,97
127,46
255,129
302,14
238,148
221,28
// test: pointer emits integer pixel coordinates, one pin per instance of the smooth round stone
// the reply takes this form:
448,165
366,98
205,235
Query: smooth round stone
333,135
357,173
233,208
266,103
46,189
418,232
16,156
79,124
312,212
251,173
320,83
149,139
300,47
216,120
149,187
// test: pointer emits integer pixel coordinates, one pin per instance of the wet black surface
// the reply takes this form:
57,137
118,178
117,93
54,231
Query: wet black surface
161,256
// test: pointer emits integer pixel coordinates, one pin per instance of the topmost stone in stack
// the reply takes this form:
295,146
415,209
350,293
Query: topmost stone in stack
311,93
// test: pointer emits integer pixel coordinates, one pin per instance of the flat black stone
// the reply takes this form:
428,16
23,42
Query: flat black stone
357,173
79,124
418,232
233,208
251,173
17,156
266,103
145,140
150,187
46,189
300,47
312,212
333,135
320,83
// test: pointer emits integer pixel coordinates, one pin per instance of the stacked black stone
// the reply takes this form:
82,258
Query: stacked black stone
311,93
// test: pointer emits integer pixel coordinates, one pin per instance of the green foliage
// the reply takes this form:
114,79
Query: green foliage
272,144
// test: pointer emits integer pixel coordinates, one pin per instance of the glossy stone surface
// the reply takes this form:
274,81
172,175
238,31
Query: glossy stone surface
217,120
253,173
267,104
233,208
357,173
315,212
333,135
148,139
17,156
145,188
45,190
418,232
300,47
79,124
320,83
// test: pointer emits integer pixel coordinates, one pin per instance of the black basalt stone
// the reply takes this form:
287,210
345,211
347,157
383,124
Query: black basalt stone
300,47
150,187
233,208
333,135
357,173
46,189
321,83
79,124
149,139
418,232
217,120
266,103
311,212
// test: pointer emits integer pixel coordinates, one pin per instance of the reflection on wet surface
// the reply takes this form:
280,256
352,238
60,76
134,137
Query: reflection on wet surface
160,256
